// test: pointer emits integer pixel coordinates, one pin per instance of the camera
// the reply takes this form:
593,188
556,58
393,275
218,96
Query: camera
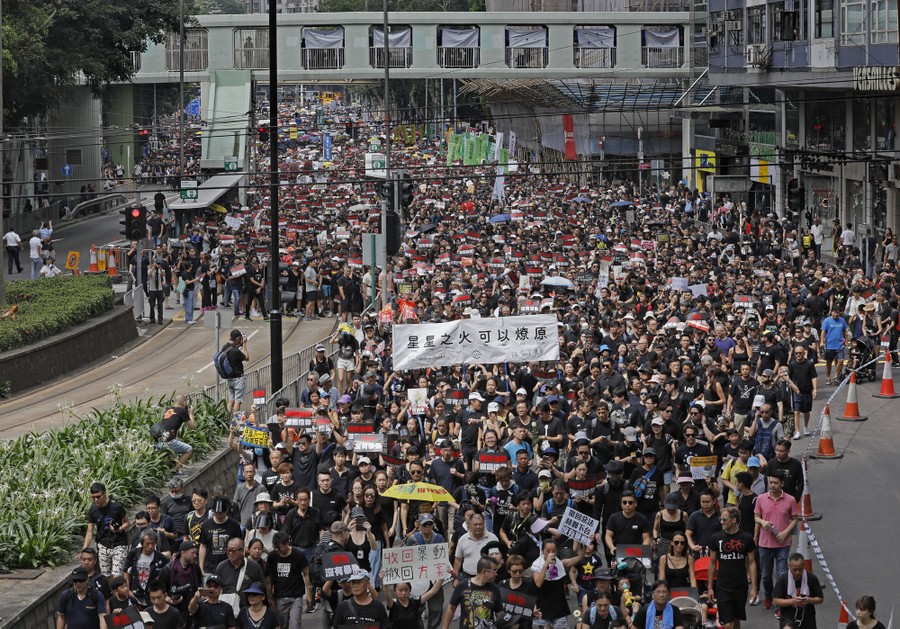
180,590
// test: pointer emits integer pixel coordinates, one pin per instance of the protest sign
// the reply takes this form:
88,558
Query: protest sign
517,603
578,526
368,443
492,462
703,466
425,562
339,564
255,437
418,401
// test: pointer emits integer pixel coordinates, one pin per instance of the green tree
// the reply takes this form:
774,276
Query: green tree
52,45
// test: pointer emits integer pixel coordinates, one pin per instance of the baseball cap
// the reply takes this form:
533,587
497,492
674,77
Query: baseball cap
262,497
213,578
358,576
187,545
685,479
672,501
236,334
363,460
475,395
753,461
630,433
548,451
493,407
544,474
79,574
768,373
320,348
648,452
521,392
345,399
425,517
615,467
658,421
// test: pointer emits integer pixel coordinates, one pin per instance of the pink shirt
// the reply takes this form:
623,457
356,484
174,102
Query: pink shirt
779,512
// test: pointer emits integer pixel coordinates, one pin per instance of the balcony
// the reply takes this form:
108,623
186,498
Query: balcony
527,57
196,51
595,57
458,57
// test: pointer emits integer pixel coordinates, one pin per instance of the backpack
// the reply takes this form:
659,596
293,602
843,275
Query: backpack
223,366
158,432
640,485
316,569
765,440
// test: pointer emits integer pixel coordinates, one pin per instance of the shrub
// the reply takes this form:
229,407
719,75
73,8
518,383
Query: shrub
50,305
44,496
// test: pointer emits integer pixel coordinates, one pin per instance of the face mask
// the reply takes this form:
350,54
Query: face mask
177,496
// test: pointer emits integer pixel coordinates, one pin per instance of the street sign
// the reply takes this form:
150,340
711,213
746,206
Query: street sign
375,165
67,170
231,163
72,260
193,107
370,242
189,190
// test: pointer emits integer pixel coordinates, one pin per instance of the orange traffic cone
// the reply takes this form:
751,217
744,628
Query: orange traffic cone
111,267
851,411
844,616
93,268
826,443
803,546
887,380
806,510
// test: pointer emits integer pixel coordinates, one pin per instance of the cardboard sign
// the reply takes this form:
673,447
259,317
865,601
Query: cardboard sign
702,466
301,418
418,401
638,551
368,443
517,603
426,562
578,526
259,396
492,462
255,437
339,564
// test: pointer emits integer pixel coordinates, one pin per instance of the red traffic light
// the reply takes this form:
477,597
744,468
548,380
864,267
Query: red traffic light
136,212
144,132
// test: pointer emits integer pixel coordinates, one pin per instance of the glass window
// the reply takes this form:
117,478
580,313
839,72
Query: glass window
756,25
861,131
792,119
884,22
884,124
785,24
824,19
854,31
825,122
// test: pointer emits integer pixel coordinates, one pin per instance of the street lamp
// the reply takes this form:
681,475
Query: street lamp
275,313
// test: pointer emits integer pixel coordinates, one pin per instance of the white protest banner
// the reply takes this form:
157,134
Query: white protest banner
425,562
233,223
418,401
472,341
697,290
578,526
679,283
368,443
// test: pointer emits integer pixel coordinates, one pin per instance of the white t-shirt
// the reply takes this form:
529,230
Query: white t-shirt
50,270
848,237
35,245
11,239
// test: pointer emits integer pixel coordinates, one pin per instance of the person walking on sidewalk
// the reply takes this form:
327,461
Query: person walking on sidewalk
13,243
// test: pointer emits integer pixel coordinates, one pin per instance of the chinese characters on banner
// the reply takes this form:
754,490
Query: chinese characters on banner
339,564
492,462
368,443
578,526
426,562
255,437
515,603
703,467
472,341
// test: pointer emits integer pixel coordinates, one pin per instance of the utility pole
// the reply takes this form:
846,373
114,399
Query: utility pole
181,106
275,313
385,301
2,169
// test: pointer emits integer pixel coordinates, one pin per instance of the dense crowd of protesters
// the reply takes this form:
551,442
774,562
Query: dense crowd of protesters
688,328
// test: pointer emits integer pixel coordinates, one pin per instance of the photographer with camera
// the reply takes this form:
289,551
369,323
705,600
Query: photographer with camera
155,281
236,353
182,578
176,415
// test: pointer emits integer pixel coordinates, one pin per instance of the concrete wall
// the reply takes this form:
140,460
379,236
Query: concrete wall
57,355
31,604
82,113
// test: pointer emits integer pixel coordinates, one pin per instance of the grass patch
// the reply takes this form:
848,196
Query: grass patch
50,305
44,496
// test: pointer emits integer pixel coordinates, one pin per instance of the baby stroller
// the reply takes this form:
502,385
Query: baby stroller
691,615
862,351
631,575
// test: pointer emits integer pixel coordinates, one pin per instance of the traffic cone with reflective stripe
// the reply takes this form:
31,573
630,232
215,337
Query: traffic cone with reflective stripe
806,510
844,616
826,442
887,380
93,268
851,410
803,546
111,267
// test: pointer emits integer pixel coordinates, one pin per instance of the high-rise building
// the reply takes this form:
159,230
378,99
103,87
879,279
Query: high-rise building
283,6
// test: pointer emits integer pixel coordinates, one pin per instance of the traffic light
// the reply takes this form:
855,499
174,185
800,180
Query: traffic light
386,191
407,189
350,130
144,133
134,222
263,132
796,194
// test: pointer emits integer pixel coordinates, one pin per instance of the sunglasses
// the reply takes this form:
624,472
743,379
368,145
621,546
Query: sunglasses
629,502
678,543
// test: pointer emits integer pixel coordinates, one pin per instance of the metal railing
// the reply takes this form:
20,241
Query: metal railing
322,58
399,57
662,57
527,57
458,57
250,58
94,206
194,60
595,57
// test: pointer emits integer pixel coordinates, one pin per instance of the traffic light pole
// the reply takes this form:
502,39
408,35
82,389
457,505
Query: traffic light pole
385,299
275,314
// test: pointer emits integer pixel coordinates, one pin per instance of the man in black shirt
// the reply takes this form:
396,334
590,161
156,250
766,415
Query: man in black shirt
479,597
164,616
324,498
797,593
237,353
627,526
287,575
174,417
107,522
804,385
790,467
215,533
208,610
732,560
303,524
363,610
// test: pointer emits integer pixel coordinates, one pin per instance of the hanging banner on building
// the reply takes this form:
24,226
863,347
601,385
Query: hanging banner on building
512,142
472,341
326,147
569,133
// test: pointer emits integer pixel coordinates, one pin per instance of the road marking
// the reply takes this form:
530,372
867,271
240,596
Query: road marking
202,369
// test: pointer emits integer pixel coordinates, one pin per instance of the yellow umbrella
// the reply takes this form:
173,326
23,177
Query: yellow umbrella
418,491
218,208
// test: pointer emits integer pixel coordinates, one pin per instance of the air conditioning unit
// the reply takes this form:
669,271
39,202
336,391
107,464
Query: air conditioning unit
711,31
751,55
733,25
732,15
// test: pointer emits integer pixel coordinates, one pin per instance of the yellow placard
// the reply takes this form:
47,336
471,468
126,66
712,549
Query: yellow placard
72,259
255,437
703,461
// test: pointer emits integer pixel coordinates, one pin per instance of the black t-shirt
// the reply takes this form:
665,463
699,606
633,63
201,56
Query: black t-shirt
169,619
742,393
332,501
628,530
173,419
287,573
236,357
552,598
409,616
793,476
215,537
802,617
802,374
373,614
104,520
478,603
214,614
731,551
